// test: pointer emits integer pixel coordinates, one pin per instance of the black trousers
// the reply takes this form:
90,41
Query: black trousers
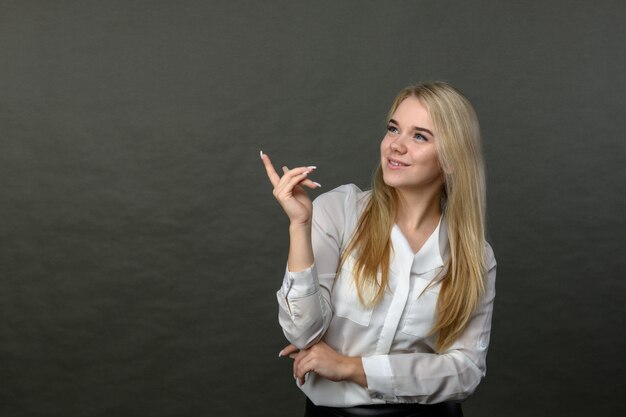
447,409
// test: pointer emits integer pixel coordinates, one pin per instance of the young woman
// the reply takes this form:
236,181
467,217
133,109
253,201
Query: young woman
388,294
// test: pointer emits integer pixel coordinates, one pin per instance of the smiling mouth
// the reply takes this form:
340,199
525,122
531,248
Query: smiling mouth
396,163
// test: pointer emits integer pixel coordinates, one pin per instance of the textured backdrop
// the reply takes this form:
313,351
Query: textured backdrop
141,246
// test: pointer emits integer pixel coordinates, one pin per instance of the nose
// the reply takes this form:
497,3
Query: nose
397,145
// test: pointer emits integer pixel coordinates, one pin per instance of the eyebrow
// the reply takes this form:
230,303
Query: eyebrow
419,129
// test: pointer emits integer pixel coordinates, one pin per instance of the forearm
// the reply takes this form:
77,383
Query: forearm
356,372
422,377
300,247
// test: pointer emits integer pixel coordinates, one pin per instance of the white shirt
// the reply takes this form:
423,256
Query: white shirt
399,359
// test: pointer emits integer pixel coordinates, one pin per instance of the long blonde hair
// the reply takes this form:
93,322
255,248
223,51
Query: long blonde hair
463,204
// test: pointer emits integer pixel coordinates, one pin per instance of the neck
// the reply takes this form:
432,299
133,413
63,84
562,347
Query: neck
418,210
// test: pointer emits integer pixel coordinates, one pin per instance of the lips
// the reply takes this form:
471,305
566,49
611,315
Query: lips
394,163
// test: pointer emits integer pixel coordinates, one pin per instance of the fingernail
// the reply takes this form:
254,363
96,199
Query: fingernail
261,154
318,184
312,167
280,354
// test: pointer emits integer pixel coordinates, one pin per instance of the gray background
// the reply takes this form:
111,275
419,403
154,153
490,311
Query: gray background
141,246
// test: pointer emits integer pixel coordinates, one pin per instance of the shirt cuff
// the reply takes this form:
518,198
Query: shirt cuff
300,284
379,376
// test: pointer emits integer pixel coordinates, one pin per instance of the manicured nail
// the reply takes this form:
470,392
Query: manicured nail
261,154
280,354
317,184
312,167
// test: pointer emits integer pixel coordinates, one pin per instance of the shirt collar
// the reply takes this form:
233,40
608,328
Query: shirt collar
430,255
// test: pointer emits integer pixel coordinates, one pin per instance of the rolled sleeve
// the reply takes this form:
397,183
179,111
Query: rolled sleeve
304,313
300,284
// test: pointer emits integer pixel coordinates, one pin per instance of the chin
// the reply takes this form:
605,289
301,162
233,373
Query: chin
416,184
392,182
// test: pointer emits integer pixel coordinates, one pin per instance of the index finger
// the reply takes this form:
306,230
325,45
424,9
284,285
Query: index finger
288,350
271,172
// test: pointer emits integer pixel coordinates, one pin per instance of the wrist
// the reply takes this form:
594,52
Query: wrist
300,249
300,227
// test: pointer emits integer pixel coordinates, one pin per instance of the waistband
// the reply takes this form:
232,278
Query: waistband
447,409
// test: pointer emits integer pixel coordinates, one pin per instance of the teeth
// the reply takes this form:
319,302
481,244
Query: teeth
396,164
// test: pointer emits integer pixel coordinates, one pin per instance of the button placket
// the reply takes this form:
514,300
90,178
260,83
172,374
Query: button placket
401,267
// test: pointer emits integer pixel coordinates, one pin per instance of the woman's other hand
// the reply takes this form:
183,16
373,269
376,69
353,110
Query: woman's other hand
289,192
326,362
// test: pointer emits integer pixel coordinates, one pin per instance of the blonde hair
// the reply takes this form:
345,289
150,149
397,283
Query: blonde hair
463,204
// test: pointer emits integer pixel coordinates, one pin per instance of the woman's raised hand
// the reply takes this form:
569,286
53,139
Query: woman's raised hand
289,192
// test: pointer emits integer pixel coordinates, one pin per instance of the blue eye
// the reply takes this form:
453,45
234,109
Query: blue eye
392,129
420,137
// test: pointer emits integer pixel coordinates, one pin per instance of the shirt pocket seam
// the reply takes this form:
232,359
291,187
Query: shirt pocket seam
420,312
346,303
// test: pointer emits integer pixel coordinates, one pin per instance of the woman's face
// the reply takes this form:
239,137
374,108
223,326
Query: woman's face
408,153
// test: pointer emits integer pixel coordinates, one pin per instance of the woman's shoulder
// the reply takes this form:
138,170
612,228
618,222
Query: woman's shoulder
340,206
343,196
